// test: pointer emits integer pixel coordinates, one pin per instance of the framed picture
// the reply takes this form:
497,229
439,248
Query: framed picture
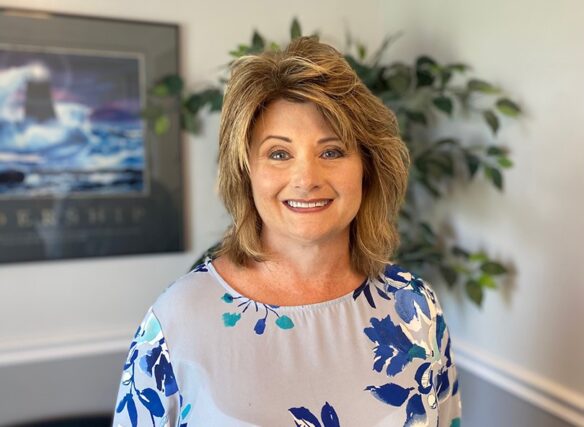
81,173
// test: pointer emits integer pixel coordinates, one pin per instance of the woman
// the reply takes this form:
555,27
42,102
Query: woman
300,319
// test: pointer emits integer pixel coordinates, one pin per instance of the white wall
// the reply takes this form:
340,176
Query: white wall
60,309
532,330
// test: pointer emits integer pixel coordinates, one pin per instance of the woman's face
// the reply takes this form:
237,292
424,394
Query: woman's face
306,186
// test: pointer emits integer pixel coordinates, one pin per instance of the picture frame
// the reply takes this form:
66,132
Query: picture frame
81,172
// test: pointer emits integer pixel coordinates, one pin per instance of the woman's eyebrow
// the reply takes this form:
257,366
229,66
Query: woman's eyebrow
286,139
283,138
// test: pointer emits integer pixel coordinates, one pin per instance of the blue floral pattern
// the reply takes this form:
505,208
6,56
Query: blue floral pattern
397,347
145,401
397,317
304,418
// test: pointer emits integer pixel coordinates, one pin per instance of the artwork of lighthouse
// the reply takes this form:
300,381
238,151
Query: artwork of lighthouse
70,123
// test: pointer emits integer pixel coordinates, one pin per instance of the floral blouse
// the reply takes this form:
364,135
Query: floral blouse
205,355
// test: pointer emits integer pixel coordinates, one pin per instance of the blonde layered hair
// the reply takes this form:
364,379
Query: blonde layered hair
310,71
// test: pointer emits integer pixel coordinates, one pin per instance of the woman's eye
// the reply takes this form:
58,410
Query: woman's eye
278,155
332,154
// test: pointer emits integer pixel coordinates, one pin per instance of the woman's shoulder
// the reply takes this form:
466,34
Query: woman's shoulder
412,295
187,291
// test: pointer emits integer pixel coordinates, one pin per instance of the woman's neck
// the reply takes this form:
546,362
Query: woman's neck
294,274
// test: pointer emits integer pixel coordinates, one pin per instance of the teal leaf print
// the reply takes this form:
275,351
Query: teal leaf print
284,322
455,422
185,412
416,351
227,298
230,319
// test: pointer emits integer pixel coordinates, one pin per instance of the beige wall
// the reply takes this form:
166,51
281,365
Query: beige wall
528,337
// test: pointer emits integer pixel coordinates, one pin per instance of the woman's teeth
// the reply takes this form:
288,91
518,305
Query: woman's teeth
295,204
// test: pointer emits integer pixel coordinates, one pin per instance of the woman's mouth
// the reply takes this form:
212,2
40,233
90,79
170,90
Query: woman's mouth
309,205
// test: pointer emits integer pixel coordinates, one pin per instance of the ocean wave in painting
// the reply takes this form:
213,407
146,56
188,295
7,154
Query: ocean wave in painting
52,142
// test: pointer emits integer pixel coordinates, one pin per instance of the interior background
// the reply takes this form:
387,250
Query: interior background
65,325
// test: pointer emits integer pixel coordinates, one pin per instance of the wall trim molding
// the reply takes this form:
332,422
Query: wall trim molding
527,385
67,347
533,388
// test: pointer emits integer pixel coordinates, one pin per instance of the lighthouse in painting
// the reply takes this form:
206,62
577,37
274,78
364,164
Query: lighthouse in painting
38,104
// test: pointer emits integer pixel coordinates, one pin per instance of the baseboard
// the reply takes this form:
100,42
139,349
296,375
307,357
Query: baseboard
541,392
546,394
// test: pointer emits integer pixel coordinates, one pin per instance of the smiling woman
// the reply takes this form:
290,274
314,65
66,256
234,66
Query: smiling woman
300,318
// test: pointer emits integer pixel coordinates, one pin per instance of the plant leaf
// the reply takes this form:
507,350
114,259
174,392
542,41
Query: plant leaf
189,122
472,163
443,103
417,117
478,256
295,30
445,76
495,176
495,150
505,162
424,75
161,125
387,41
428,233
508,107
475,291
477,85
457,67
174,84
160,90
425,62
399,79
424,71
449,274
241,50
493,268
361,51
458,251
257,42
491,120
487,281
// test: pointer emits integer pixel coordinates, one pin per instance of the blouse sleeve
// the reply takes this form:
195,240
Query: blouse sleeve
148,393
446,380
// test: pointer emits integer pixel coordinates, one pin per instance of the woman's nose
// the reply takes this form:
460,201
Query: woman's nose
307,173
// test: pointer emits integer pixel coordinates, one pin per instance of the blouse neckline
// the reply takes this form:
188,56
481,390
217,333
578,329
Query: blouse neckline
303,307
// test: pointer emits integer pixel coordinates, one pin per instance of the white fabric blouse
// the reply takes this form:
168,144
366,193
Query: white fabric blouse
205,355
